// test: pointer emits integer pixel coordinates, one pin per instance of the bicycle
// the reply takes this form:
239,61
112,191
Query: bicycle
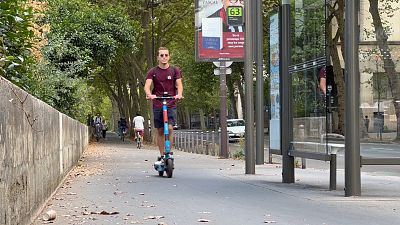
123,131
98,132
168,165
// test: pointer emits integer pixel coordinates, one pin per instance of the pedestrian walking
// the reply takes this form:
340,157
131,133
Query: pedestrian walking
366,122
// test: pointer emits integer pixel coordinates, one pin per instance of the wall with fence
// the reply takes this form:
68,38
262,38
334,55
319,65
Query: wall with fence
38,146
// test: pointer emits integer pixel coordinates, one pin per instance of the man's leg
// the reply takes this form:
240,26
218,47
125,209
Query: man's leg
159,125
142,135
160,140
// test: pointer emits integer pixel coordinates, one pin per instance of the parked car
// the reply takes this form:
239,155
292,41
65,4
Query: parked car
175,127
235,128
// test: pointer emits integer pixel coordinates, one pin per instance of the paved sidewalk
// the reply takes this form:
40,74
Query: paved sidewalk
115,183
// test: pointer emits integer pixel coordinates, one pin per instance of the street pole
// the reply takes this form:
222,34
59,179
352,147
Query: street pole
352,100
248,73
380,122
152,32
222,114
285,93
259,86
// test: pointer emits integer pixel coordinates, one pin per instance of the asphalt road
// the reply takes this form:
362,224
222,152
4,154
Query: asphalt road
115,177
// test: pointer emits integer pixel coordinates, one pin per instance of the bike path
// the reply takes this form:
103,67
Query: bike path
115,177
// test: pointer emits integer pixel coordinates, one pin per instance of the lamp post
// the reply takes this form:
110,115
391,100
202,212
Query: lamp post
153,3
329,99
152,31
378,79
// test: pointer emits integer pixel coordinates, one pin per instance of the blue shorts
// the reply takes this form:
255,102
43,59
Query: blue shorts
158,117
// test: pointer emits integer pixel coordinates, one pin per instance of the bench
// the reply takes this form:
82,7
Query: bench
318,151
331,136
309,146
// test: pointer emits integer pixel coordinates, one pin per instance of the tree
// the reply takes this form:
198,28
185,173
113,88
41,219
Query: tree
335,33
85,40
15,41
381,34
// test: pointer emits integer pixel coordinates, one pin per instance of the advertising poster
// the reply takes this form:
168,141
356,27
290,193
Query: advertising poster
274,76
219,30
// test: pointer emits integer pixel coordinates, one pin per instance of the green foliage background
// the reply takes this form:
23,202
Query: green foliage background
97,53
15,19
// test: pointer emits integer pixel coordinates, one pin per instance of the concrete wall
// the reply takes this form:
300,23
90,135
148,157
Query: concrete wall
38,146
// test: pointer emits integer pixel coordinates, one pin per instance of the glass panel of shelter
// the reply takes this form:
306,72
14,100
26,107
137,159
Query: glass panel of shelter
311,117
379,70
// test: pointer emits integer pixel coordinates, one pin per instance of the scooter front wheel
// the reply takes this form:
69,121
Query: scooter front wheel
169,167
160,173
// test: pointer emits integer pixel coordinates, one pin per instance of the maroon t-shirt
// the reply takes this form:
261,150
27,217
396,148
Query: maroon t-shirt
322,73
164,81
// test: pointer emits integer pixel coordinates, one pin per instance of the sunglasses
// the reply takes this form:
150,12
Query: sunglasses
234,1
162,55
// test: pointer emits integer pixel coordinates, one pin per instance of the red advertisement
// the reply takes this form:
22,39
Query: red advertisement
219,30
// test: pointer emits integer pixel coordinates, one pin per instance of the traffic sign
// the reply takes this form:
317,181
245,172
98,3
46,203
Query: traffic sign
224,63
219,71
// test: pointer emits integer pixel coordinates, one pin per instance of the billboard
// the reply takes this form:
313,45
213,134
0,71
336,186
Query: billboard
219,30
274,125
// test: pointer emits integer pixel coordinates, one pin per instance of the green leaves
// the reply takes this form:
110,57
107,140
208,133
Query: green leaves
84,39
91,35
15,18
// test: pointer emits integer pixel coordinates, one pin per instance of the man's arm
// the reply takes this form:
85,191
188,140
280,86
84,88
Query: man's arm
147,90
322,84
179,87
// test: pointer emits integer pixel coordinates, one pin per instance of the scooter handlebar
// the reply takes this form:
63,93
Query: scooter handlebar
164,97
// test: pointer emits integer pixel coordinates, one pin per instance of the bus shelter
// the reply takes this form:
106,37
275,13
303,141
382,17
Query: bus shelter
313,90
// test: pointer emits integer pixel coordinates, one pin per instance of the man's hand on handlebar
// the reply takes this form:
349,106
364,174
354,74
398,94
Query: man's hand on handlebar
178,97
151,97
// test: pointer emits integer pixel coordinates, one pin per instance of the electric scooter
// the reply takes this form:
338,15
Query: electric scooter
168,164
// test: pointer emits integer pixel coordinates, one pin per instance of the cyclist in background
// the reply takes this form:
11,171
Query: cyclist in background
122,125
138,123
98,125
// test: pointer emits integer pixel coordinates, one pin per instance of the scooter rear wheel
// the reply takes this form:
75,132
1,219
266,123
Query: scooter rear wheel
169,167
160,173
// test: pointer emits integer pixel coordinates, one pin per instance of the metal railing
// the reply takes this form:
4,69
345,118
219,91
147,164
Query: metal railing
199,142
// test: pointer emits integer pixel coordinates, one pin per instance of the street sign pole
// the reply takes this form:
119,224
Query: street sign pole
248,73
259,86
285,93
222,70
352,101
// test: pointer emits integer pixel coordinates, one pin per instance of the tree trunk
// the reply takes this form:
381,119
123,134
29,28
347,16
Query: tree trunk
231,94
214,115
202,121
187,112
332,43
242,97
388,64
